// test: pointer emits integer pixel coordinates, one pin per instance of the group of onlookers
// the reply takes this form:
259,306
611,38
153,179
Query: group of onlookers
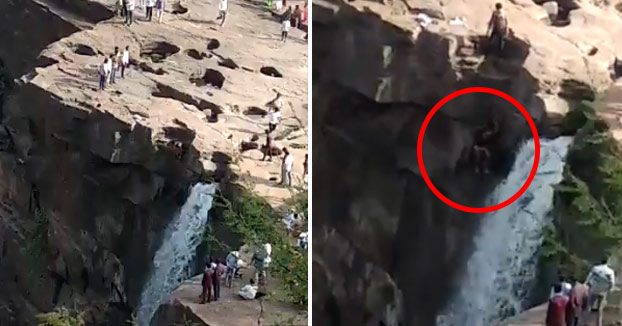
125,8
571,302
117,62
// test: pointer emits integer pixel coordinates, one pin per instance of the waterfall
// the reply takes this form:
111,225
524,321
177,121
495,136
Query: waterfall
503,264
170,264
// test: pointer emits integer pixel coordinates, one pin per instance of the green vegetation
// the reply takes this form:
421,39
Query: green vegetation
588,205
256,222
37,240
60,317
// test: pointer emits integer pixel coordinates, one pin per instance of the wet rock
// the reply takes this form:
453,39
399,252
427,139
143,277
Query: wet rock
213,44
229,63
158,51
253,110
83,49
270,71
178,9
211,77
194,54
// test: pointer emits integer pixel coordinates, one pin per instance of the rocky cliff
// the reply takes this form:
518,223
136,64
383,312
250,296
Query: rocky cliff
88,179
382,240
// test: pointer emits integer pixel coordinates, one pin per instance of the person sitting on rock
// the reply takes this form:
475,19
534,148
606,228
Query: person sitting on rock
499,26
250,291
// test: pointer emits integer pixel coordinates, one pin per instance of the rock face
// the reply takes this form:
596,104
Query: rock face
385,249
88,179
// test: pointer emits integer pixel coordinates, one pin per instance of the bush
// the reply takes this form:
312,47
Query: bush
37,240
60,317
588,226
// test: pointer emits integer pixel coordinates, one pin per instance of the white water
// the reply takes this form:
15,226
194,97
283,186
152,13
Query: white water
503,263
170,264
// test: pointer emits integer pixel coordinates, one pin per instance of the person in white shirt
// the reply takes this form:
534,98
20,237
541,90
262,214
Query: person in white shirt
285,25
302,240
129,17
250,291
278,5
149,11
600,281
108,69
286,168
102,75
125,60
222,11
566,288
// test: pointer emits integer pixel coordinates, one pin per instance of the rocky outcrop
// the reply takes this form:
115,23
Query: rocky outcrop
387,249
89,180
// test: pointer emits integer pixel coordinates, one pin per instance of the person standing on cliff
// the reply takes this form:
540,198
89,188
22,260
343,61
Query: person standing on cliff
286,168
556,311
129,18
116,61
125,60
305,166
159,6
579,296
498,24
600,281
103,75
268,148
222,11
149,10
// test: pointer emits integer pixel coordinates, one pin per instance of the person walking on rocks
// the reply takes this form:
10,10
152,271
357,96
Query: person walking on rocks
498,24
149,11
286,168
125,60
222,11
556,311
600,281
159,6
579,296
285,25
129,18
268,148
274,112
103,74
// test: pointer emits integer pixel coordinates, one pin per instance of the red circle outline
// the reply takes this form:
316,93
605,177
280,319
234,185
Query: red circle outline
536,140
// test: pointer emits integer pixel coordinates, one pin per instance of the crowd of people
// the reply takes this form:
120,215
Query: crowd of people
117,62
287,164
571,302
126,8
218,272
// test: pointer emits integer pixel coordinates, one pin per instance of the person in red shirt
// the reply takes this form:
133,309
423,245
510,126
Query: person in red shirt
556,312
578,303
208,284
